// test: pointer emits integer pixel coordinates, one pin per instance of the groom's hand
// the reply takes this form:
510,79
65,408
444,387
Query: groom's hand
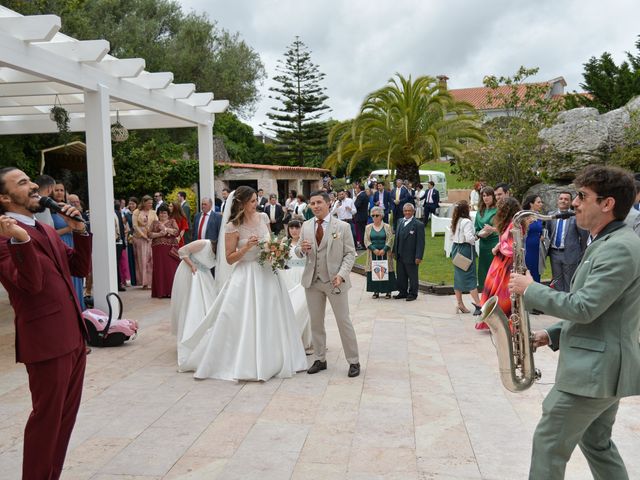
337,281
306,246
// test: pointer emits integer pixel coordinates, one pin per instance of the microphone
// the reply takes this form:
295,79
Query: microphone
47,202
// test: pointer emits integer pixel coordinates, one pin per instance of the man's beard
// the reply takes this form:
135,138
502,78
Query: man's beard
37,208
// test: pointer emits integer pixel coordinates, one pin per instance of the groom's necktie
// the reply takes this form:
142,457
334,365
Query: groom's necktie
319,231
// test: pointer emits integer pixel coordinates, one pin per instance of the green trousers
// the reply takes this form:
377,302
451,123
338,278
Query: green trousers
569,420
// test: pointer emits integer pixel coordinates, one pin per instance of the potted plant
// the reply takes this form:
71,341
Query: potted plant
60,115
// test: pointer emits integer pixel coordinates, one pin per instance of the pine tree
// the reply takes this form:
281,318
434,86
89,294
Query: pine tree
301,137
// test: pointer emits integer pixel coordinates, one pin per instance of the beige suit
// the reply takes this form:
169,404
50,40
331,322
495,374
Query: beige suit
334,256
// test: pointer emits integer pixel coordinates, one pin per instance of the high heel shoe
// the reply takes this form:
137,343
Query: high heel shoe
478,309
460,308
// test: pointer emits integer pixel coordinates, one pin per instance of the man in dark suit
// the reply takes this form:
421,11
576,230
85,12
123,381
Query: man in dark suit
431,201
408,249
186,209
399,196
382,199
206,223
275,213
568,242
225,195
262,200
35,269
361,203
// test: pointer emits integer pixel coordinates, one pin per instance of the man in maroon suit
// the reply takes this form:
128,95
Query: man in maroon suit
35,269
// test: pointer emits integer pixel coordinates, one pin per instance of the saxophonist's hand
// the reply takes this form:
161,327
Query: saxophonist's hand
540,338
519,283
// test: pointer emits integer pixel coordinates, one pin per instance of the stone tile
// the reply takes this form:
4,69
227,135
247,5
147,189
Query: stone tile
319,471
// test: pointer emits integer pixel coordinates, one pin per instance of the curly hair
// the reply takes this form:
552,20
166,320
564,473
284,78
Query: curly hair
507,208
242,196
461,211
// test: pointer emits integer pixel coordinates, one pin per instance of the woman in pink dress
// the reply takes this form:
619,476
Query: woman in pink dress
142,219
497,281
164,245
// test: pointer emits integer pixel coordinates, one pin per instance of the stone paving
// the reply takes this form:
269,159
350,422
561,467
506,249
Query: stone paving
428,405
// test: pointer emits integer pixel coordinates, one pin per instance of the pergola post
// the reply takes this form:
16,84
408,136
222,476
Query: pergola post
100,178
205,157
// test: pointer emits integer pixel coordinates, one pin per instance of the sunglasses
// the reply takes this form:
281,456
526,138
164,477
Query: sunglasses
374,216
581,195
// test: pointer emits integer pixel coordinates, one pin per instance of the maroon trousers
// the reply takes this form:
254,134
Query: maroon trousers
56,389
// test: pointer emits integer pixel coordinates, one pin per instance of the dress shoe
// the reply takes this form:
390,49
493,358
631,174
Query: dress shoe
375,295
411,299
388,295
354,370
399,296
121,288
316,367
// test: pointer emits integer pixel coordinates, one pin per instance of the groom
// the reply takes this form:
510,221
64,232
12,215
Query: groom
328,245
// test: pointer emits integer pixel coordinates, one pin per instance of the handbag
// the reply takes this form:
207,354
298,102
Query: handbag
462,262
379,270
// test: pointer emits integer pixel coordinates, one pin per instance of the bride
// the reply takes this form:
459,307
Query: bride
250,331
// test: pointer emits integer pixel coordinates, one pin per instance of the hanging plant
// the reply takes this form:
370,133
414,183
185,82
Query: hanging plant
119,132
59,115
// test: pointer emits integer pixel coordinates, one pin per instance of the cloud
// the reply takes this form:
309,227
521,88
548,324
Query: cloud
360,44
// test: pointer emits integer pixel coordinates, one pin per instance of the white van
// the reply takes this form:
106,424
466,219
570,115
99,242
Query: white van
439,178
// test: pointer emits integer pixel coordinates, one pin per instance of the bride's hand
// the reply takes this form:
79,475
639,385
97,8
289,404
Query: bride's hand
252,241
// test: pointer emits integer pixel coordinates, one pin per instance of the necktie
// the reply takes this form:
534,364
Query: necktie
204,216
319,231
397,194
558,241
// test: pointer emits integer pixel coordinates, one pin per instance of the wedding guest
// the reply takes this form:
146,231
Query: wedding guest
275,213
289,204
119,226
176,212
418,200
225,195
300,208
361,206
194,290
463,237
61,224
431,201
475,197
186,209
399,196
45,184
132,206
486,233
378,240
158,198
164,244
497,281
533,238
408,248
382,199
142,219
292,277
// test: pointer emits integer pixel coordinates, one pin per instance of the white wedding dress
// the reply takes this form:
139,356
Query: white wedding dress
193,293
250,331
292,277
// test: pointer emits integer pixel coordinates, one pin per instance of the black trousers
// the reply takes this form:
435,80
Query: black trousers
407,278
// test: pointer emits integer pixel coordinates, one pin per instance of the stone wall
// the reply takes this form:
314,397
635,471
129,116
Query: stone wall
268,179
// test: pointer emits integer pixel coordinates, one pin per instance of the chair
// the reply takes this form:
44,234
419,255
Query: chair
439,224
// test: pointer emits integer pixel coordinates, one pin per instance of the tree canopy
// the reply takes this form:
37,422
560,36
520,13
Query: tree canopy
405,124
301,136
190,45
608,86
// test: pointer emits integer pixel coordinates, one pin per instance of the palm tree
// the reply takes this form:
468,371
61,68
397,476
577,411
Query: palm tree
405,123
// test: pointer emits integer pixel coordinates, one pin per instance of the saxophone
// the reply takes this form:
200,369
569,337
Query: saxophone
513,337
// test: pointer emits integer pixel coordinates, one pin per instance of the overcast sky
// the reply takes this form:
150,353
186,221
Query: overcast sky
360,44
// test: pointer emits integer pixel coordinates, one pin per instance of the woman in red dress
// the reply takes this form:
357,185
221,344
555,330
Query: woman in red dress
176,212
497,281
164,241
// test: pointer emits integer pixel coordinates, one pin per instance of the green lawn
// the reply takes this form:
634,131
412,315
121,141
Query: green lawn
435,267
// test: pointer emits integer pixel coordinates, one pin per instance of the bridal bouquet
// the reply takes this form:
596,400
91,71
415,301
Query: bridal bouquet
274,251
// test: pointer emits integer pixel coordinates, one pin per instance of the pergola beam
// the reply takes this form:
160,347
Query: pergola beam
178,90
31,60
36,28
198,99
79,51
121,68
217,106
152,81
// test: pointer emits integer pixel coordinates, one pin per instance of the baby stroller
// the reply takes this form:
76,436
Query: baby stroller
106,332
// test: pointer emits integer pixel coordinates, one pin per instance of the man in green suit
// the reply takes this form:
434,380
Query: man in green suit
599,359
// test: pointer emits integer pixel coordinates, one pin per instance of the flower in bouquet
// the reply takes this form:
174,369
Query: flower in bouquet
275,252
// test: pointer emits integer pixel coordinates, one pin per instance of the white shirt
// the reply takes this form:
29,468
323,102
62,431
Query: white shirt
346,209
204,225
406,221
158,205
31,221
325,223
222,205
464,232
272,212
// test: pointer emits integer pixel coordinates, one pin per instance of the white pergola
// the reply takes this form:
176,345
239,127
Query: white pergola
38,65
